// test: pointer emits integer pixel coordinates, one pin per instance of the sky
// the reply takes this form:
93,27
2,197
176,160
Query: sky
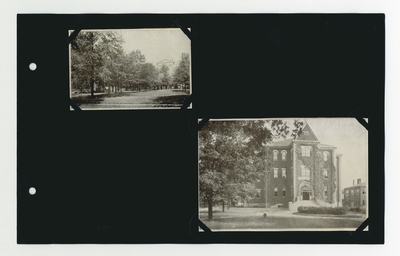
156,44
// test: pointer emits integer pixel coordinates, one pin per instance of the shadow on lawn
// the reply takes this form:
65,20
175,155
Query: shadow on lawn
173,100
97,98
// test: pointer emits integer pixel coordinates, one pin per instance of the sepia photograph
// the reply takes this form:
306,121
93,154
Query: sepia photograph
130,69
284,174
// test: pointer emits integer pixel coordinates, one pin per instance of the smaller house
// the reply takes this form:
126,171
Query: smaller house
356,195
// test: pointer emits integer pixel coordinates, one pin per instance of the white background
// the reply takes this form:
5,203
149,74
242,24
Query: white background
9,9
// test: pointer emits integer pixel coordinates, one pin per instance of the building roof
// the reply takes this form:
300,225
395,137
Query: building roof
283,143
325,146
357,185
307,134
165,61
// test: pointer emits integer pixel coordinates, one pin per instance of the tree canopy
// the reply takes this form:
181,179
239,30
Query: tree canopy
233,156
182,72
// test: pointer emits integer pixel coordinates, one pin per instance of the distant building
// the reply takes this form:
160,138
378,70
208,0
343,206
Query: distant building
304,172
356,195
171,64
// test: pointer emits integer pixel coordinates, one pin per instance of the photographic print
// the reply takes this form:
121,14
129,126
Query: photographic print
130,69
283,174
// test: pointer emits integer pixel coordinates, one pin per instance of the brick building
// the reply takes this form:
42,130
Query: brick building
356,195
304,172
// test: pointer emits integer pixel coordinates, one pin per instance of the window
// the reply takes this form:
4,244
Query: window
326,154
275,155
284,192
325,191
284,173
275,172
325,173
305,151
283,155
363,192
258,193
305,172
275,192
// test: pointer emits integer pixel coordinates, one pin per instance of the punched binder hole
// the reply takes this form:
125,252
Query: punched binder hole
32,191
32,66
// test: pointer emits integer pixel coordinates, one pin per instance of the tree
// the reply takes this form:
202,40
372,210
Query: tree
148,75
182,72
131,68
233,156
90,51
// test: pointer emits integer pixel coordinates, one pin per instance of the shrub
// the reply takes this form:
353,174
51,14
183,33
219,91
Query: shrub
355,209
322,210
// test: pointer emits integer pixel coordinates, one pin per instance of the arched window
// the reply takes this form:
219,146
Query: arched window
284,192
326,154
275,192
275,172
284,173
275,155
325,173
283,152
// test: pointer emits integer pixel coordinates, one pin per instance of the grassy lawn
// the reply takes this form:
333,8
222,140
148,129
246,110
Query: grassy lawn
250,218
152,98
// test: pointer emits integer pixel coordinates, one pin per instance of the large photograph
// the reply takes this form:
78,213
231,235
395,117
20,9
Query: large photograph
283,174
130,69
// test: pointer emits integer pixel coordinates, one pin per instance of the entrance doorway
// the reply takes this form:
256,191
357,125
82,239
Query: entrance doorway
305,191
306,195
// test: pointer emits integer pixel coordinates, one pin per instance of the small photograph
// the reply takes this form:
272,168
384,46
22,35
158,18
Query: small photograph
130,69
283,174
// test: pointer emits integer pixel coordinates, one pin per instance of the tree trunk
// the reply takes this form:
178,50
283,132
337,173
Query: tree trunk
210,209
223,206
92,86
92,81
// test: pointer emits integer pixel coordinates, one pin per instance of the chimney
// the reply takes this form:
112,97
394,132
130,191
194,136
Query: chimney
358,181
353,182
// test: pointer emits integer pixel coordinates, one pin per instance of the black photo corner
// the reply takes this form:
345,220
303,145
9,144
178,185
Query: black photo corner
131,176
